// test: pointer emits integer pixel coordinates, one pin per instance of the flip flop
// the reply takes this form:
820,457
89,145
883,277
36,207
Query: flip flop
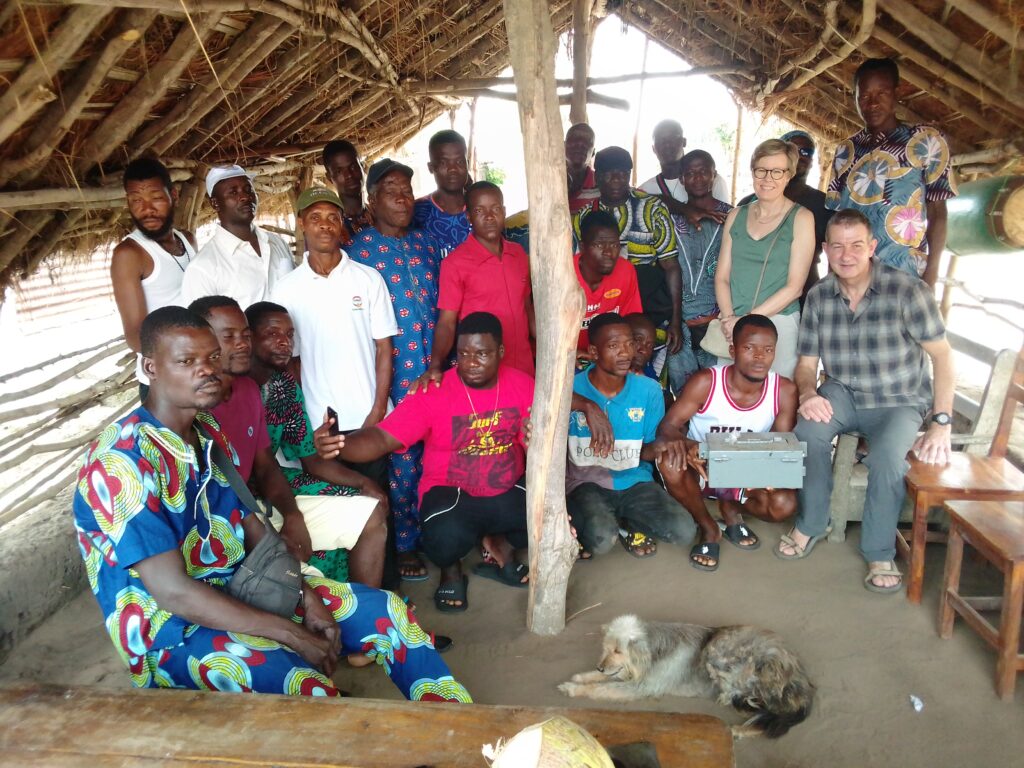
737,532
451,590
509,574
704,549
801,552
635,540
890,569
413,577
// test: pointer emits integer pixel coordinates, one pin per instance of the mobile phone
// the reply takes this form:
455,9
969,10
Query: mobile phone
333,414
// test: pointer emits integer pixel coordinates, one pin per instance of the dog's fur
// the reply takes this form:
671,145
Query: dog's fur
745,667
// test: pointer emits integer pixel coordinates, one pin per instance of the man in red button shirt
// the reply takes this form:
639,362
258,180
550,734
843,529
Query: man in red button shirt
487,273
608,280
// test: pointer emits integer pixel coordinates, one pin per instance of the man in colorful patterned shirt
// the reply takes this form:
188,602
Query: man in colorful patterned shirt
409,261
442,213
647,237
897,175
161,532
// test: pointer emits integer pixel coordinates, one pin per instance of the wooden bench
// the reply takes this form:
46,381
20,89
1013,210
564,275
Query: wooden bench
850,479
53,726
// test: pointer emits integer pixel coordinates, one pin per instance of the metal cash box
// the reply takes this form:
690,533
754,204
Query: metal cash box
754,460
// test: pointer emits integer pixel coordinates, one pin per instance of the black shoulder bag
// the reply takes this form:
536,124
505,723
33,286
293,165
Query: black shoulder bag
270,577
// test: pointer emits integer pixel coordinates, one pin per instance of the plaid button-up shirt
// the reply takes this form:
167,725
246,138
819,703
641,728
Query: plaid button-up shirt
876,350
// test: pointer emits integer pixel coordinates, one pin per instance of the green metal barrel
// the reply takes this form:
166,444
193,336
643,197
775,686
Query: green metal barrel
987,216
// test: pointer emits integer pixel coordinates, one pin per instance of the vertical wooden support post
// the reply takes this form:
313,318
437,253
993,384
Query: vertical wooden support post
639,110
471,151
737,140
581,35
559,307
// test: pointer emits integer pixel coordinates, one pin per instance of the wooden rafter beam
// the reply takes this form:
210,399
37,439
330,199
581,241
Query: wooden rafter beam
32,89
59,117
246,52
133,109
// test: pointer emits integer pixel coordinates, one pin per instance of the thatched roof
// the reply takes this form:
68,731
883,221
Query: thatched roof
86,85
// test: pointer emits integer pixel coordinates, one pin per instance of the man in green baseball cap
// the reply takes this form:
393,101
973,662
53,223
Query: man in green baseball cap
314,195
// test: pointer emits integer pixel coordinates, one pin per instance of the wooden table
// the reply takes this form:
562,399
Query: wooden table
53,727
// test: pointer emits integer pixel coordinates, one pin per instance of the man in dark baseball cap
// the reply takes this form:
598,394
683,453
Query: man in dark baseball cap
385,167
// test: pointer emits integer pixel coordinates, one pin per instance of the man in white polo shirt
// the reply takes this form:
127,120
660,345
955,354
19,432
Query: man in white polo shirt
241,260
343,321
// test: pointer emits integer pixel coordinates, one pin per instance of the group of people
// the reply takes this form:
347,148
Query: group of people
375,395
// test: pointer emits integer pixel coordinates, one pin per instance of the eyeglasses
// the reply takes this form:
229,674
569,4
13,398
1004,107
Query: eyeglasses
806,152
776,173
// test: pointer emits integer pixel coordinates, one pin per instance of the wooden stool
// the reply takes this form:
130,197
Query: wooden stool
996,530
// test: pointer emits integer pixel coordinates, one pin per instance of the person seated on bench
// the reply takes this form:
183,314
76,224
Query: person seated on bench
746,396
338,518
161,532
874,327
613,487
343,509
473,425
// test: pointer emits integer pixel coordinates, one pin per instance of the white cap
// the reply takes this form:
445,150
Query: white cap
221,172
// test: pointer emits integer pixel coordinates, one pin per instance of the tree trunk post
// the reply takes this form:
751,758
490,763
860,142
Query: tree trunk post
559,307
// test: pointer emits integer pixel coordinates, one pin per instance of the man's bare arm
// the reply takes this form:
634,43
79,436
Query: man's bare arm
935,235
129,266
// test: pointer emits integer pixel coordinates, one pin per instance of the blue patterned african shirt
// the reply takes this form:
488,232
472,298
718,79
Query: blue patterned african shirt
409,266
889,178
141,492
449,229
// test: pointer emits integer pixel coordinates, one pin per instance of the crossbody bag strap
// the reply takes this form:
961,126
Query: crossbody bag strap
227,467
764,265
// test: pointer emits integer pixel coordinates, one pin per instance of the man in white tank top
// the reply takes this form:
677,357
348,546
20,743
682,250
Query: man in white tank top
745,396
148,266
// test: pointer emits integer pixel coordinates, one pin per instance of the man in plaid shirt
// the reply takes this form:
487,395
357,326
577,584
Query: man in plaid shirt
872,327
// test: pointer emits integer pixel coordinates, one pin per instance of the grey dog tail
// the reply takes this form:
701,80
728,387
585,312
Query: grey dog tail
771,724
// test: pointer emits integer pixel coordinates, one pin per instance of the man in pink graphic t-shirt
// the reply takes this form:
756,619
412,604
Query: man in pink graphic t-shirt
473,428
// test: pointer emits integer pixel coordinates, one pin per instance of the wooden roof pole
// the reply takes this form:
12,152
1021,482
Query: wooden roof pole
32,89
133,109
247,51
972,61
581,47
60,116
867,25
559,306
990,21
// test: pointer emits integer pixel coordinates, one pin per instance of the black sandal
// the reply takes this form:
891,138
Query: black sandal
451,590
705,549
737,532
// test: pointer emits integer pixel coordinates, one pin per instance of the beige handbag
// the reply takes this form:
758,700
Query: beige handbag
714,342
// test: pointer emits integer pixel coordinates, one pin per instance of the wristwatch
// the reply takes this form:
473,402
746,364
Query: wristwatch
942,418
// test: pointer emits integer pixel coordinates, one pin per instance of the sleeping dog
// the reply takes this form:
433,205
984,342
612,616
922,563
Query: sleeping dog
741,666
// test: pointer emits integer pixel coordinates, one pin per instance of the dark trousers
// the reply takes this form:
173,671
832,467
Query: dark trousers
452,521
597,513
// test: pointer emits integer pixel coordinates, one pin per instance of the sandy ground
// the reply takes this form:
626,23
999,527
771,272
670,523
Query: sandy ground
867,653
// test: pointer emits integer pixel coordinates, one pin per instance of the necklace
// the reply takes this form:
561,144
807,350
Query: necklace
473,412
176,257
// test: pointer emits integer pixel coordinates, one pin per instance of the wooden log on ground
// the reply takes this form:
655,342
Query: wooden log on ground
50,725
559,306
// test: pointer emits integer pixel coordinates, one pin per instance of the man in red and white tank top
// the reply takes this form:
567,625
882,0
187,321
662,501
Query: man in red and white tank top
745,396
148,266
